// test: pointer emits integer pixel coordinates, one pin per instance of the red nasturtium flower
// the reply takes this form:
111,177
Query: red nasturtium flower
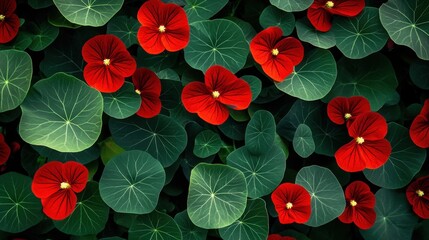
343,109
277,56
360,203
321,11
109,62
4,150
56,184
9,21
279,237
164,27
148,86
292,203
419,130
221,89
368,149
418,196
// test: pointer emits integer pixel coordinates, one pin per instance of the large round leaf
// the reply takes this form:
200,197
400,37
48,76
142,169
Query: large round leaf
272,16
122,103
327,197
292,5
407,23
44,34
404,162
189,230
260,132
131,182
307,33
303,142
216,42
125,28
161,136
16,69
19,208
313,78
197,10
86,156
207,143
419,74
217,195
63,113
155,226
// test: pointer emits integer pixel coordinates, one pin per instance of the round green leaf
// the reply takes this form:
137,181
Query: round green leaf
327,197
247,28
217,195
255,85
189,230
419,73
307,33
407,23
252,225
55,18
272,16
216,42
93,13
86,156
404,162
155,226
125,28
61,112
198,10
38,4
157,62
19,208
43,35
233,129
131,182
313,78
292,5
168,74
303,142
16,70
122,103
207,143
171,93
260,132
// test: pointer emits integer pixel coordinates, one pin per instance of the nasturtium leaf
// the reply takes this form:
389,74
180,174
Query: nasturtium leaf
233,129
94,13
171,91
395,219
19,208
360,36
189,230
216,42
252,225
109,149
63,113
89,216
307,33
406,22
255,85
131,182
122,103
156,62
239,115
292,5
43,35
125,28
419,73
303,142
372,77
404,162
55,18
313,78
272,16
160,136
260,132
198,10
327,197
84,157
247,28
38,4
217,195
207,143
16,70
263,172
155,226
20,42
168,74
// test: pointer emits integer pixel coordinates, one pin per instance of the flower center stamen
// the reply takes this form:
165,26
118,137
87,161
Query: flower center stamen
2,17
420,193
353,203
65,185
329,4
275,52
138,92
161,28
360,140
106,62
215,94
347,116
289,205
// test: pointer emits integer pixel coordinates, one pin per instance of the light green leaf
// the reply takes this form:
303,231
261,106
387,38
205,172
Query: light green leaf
155,226
272,16
43,35
307,33
303,142
189,230
260,132
207,143
122,103
198,10
292,5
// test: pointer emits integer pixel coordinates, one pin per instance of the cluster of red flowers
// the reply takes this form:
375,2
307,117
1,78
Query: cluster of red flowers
9,21
418,196
419,130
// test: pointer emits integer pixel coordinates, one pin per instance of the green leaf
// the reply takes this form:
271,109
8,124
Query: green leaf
90,215
86,156
16,70
122,103
313,78
252,225
63,113
19,208
125,28
307,33
20,42
360,36
303,142
189,230
131,182
233,129
395,219
155,226
217,195
216,42
43,35
38,4
260,132
292,5
55,18
327,197
404,162
171,93
207,143
109,149
406,22
419,73
247,28
156,62
168,74
198,10
93,13
160,136
272,16
255,85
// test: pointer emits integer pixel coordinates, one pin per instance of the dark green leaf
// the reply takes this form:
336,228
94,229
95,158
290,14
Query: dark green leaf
419,73
260,132
303,142
155,226
189,230
43,35
86,156
307,33
207,143
122,103
198,10
255,85
272,16
38,4
292,5
156,62
125,28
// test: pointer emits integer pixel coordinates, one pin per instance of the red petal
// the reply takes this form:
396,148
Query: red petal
348,157
7,7
150,40
147,82
420,203
419,131
337,108
218,78
9,28
122,64
59,205
320,19
4,150
361,193
347,8
425,110
291,48
279,237
348,215
215,114
263,43
175,40
148,13
421,208
76,174
278,67
47,179
101,47
101,78
177,33
357,105
196,97
369,126
300,199
150,106
364,217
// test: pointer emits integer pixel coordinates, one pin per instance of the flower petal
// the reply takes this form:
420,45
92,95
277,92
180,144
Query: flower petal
101,47
150,40
147,82
150,106
348,214
361,193
348,157
122,64
337,108
175,40
278,68
196,97
9,28
47,179
347,8
364,217
425,110
215,114
420,203
375,153
419,131
369,126
76,174
148,14
263,43
300,199
101,78
237,96
291,48
320,19
59,205
4,150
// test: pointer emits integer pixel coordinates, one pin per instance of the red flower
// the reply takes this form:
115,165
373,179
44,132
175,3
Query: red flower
292,203
4,150
9,21
210,100
277,56
320,11
418,196
342,109
109,62
148,86
360,205
368,149
279,237
164,26
56,184
419,130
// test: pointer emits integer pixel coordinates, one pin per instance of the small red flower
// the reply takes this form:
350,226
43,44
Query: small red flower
360,205
418,196
148,86
368,149
321,11
342,109
419,130
4,150
164,27
276,56
9,21
279,237
292,203
210,100
109,62
56,184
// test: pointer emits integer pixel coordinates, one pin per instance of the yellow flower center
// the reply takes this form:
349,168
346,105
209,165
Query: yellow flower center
2,17
289,205
106,62
161,28
347,116
215,94
420,193
353,203
329,4
360,140
65,185
138,92
275,52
